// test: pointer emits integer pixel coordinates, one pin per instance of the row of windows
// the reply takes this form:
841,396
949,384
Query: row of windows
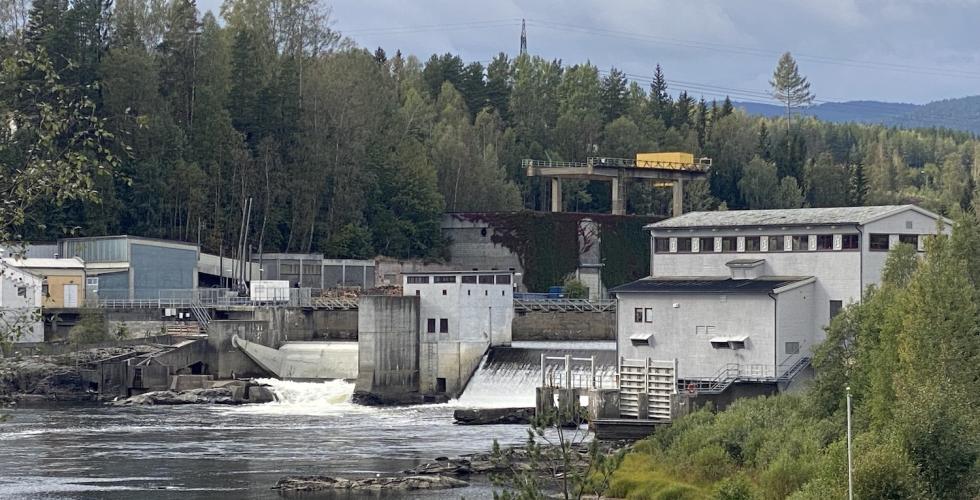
483,279
430,325
788,243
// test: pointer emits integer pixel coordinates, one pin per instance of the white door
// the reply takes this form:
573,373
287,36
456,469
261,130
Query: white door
71,295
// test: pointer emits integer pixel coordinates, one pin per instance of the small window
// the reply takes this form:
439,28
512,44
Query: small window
849,241
707,244
430,325
648,315
753,243
92,282
443,279
792,348
684,245
44,289
775,243
418,293
908,224
503,279
418,280
440,384
801,242
825,242
878,242
661,245
729,244
443,325
486,279
909,239
469,280
444,292
22,291
638,315
835,308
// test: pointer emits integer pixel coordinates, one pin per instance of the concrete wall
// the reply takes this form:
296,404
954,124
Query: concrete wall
795,316
676,333
388,348
543,325
470,246
225,360
303,324
475,312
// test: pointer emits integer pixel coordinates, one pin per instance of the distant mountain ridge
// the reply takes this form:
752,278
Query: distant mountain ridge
962,113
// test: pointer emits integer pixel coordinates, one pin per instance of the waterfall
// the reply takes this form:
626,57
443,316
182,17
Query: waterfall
508,376
332,396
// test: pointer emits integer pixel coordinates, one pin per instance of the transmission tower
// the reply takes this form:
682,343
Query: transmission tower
523,38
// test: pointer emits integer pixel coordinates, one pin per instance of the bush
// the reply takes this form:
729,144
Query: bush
91,328
575,289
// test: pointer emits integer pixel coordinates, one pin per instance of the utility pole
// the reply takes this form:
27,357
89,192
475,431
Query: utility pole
523,37
850,462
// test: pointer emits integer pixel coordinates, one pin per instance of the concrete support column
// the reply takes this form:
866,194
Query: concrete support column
556,194
678,198
617,197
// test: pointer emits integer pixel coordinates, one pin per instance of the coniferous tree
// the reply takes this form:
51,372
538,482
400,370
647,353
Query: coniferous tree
727,107
614,92
661,105
789,87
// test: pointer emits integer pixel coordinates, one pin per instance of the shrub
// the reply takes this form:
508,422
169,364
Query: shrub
90,329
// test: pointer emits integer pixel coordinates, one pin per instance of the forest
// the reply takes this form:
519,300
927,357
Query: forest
356,152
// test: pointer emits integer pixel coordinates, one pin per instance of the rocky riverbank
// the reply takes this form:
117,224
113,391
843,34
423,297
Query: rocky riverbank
385,483
234,392
55,377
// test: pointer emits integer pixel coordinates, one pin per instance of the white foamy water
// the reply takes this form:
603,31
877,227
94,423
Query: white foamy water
306,398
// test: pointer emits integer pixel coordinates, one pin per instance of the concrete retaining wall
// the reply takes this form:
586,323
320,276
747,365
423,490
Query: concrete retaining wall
304,324
388,350
225,359
564,326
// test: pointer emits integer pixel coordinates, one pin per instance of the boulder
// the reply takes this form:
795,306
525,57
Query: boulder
404,483
492,416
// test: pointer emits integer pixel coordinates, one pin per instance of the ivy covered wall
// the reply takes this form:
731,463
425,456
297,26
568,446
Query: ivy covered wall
547,244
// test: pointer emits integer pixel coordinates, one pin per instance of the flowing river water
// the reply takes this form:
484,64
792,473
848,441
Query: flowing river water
239,452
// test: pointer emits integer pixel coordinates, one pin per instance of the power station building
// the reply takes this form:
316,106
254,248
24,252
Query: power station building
461,313
747,294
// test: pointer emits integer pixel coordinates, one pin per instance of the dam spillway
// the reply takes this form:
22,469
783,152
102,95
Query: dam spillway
508,376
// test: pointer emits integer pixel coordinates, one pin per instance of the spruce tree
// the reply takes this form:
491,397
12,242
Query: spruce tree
788,86
613,92
660,102
727,107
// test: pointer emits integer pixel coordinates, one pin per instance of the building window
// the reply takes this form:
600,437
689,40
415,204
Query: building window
44,288
707,244
684,245
503,279
443,279
729,243
775,243
418,293
792,348
909,239
638,315
486,279
430,325
704,330
753,243
444,292
648,315
825,242
443,325
878,242
418,280
835,307
22,291
440,384
801,242
849,242
94,282
310,269
661,245
469,280
288,268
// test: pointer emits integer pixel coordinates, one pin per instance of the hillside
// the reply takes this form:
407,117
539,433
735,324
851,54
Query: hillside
958,114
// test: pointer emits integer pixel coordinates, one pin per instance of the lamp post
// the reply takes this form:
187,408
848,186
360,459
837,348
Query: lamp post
850,463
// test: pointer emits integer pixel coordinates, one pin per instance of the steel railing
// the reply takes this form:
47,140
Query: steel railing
564,305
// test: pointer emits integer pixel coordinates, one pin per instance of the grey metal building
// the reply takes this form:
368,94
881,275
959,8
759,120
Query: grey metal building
131,267
314,271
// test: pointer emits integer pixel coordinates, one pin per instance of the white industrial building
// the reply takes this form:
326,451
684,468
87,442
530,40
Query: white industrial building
747,294
20,305
461,314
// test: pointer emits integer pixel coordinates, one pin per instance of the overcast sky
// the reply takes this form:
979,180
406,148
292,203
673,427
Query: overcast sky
892,50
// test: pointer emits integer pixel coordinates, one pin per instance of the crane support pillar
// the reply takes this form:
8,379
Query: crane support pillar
678,198
618,207
556,194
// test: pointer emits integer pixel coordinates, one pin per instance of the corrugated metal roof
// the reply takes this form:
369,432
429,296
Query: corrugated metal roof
38,262
708,285
781,217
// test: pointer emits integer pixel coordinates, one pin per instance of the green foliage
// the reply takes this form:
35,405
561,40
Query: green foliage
90,329
575,289
788,86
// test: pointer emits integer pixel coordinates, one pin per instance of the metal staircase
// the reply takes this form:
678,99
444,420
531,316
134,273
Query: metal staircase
734,372
201,314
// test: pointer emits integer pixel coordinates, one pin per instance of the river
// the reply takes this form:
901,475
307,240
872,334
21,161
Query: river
233,452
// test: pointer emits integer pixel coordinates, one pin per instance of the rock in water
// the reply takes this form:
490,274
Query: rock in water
491,416
405,483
